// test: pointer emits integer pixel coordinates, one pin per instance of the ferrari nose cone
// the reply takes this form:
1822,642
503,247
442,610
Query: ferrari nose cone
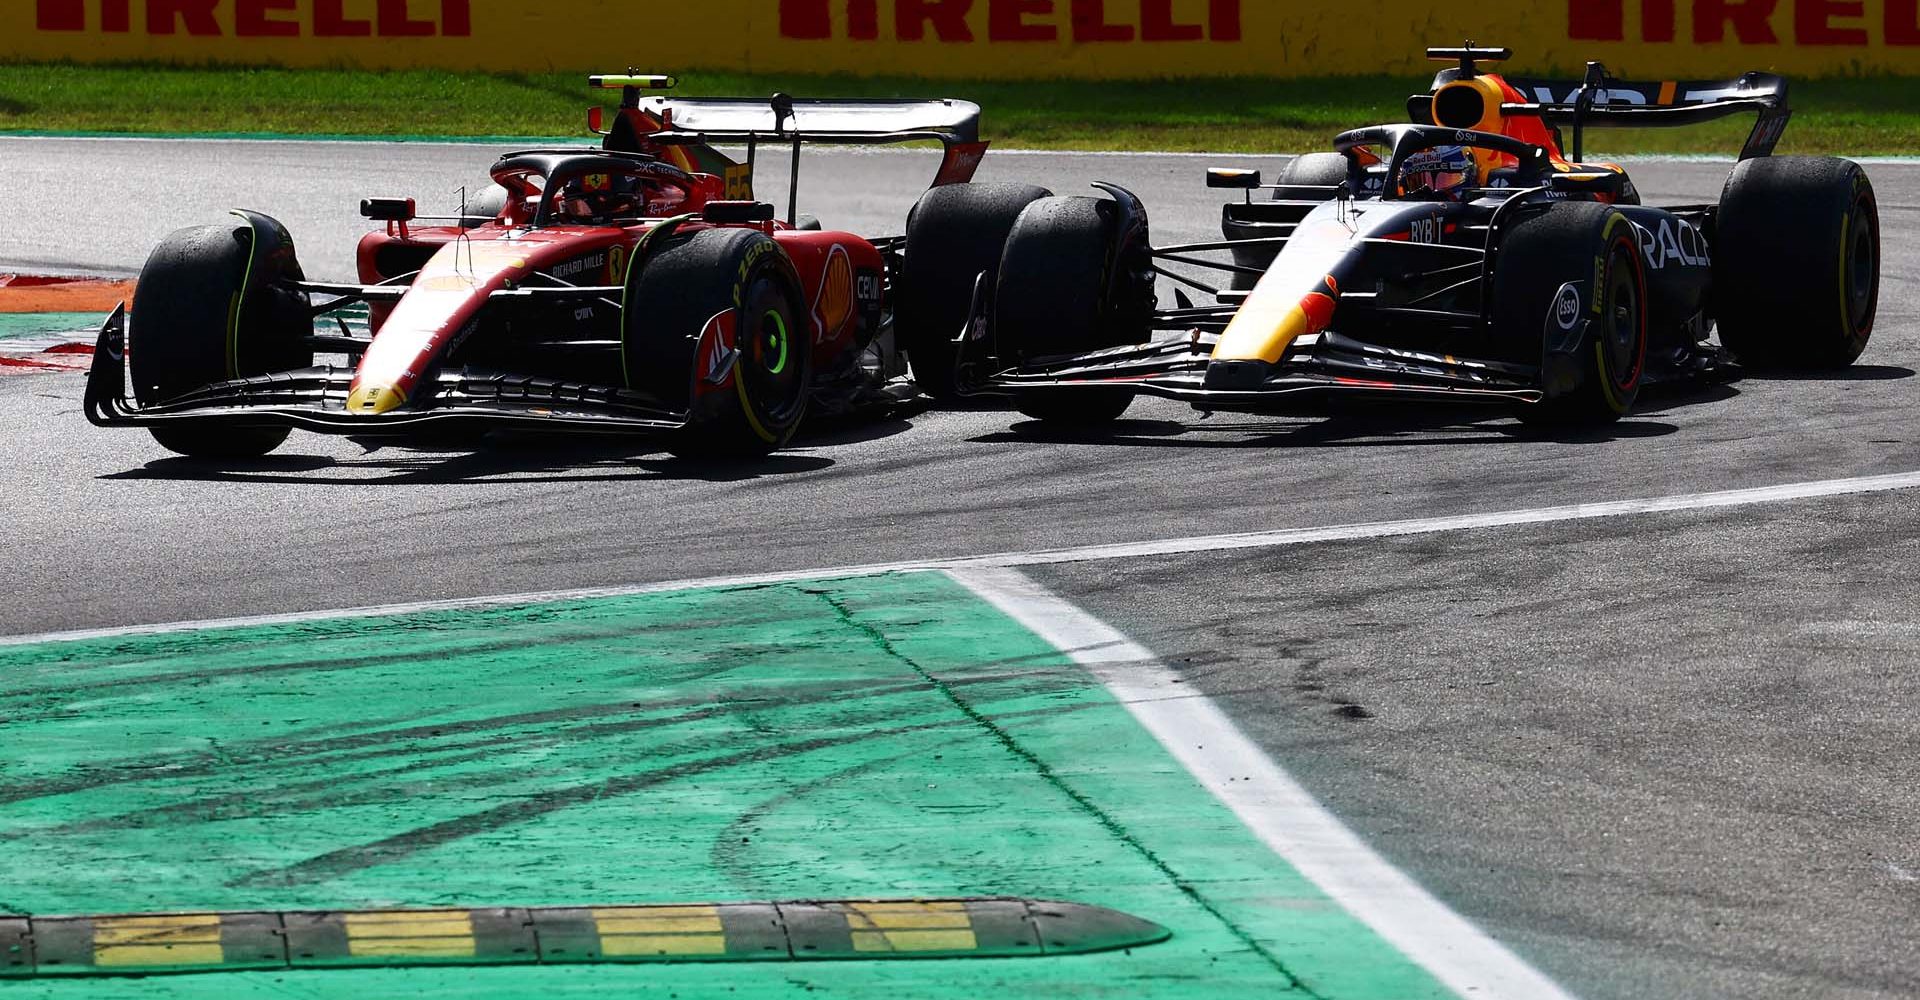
373,400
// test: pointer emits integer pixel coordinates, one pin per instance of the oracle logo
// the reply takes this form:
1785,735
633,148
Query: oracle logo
263,18
1750,22
1078,21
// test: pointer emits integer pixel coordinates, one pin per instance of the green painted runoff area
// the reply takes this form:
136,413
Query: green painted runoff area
886,736
21,325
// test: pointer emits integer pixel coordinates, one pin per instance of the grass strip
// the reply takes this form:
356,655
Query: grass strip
1849,116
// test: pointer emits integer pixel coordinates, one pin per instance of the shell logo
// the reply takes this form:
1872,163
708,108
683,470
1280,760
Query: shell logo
836,293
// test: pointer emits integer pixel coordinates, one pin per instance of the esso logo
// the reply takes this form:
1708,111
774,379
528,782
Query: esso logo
1566,306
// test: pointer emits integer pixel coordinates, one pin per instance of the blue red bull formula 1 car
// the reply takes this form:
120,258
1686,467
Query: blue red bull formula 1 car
1469,254
633,287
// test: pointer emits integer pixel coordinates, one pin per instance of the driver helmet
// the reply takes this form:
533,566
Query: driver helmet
1441,170
599,197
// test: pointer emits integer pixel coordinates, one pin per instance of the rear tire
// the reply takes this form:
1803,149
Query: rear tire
485,207
1053,298
1797,262
670,299
187,332
954,233
1592,358
1311,170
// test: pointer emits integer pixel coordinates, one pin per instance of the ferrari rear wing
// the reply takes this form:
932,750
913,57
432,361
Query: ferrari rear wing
786,119
1604,102
701,122
795,122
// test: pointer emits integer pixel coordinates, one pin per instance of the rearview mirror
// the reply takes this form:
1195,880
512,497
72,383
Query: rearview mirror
387,209
1233,177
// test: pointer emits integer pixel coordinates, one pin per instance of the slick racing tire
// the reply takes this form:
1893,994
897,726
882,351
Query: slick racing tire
673,295
1053,298
1591,342
1796,262
198,319
954,234
485,206
1310,170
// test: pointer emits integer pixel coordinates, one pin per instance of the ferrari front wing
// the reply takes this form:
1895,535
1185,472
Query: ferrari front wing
315,399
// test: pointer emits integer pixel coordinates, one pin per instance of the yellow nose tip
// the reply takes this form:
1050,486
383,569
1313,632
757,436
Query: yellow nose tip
369,401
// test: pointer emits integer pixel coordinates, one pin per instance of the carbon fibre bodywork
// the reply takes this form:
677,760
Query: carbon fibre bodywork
525,315
1362,288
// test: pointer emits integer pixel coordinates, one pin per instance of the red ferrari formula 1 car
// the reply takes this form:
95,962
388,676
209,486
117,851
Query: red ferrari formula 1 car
1468,254
633,287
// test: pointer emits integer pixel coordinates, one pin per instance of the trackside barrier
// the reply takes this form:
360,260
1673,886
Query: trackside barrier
981,39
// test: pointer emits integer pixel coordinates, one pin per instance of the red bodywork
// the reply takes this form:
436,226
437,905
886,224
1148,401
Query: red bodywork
465,267
460,269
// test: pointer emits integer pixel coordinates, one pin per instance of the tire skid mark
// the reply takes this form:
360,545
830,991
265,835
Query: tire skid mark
1093,810
729,845
272,755
335,864
315,665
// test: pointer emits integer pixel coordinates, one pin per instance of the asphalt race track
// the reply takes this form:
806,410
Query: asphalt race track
1657,756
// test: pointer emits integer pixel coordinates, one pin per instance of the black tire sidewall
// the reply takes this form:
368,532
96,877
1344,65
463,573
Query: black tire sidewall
1542,254
672,294
1051,298
196,321
954,233
1783,253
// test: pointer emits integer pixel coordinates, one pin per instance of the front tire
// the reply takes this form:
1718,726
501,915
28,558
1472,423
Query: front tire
955,233
198,320
1797,262
672,298
1056,296
1570,290
221,443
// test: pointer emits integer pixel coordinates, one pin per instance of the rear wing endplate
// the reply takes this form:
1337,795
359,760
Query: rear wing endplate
1605,102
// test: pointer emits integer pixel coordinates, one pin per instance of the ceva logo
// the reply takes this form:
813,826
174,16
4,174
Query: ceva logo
1078,21
263,18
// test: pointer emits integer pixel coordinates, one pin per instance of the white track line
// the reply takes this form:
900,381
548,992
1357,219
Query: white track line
1268,800
1086,553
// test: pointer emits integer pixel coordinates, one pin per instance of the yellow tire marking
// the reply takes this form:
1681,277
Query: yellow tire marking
1846,317
1667,90
233,337
740,387
1606,379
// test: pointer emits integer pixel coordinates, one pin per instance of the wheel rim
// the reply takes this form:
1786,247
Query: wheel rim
771,369
1621,339
1862,266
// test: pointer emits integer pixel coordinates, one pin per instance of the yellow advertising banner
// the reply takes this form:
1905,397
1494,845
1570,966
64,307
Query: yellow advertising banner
1008,39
